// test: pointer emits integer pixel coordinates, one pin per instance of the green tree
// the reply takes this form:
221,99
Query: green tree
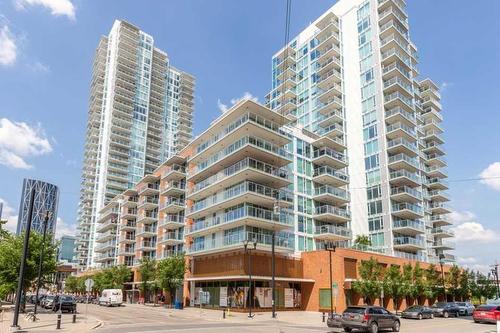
432,282
71,284
370,283
486,287
465,282
418,289
363,241
407,282
4,233
453,281
11,249
393,285
170,273
147,270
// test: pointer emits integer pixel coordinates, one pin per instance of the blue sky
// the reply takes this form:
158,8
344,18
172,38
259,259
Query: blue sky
46,51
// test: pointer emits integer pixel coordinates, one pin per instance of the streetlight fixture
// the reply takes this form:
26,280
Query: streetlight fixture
40,260
330,250
247,243
441,262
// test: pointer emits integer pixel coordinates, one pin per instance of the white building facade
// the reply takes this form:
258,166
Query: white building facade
352,76
140,114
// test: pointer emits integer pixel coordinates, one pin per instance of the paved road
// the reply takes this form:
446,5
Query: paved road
135,318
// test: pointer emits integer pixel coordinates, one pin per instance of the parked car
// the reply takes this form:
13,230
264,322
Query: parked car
334,321
111,297
445,309
40,299
418,312
486,314
47,302
64,303
371,318
465,308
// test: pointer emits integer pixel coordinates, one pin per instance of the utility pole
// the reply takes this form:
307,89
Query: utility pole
494,271
15,321
40,260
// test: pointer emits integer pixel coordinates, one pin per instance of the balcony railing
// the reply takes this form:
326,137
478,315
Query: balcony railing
325,151
414,224
328,170
333,229
404,173
406,190
403,157
409,241
206,244
245,211
327,209
254,141
337,192
247,162
407,206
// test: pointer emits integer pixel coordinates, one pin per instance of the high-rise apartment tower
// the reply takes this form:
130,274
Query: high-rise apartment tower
140,114
352,76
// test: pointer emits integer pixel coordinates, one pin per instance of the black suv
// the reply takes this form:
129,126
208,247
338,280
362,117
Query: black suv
446,309
371,318
64,303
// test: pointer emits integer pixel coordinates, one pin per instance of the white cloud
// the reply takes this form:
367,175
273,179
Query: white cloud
63,228
491,176
39,67
18,141
474,231
8,214
8,47
224,107
461,217
56,7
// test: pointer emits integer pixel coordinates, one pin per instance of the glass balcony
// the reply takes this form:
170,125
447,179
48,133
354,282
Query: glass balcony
328,175
247,168
235,241
409,243
173,205
147,217
403,161
173,188
328,156
332,214
243,215
441,220
172,221
174,172
408,227
442,232
245,191
172,238
146,232
332,233
443,245
403,177
331,195
244,147
405,193
402,145
407,210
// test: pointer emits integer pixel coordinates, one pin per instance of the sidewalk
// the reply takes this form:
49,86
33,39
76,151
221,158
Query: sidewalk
306,318
47,323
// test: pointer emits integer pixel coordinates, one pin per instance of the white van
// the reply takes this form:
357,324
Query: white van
111,297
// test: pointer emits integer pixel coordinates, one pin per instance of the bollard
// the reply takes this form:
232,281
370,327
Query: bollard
323,317
223,313
74,318
58,321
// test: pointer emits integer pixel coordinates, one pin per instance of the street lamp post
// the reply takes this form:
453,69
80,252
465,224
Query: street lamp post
248,250
494,271
330,250
40,261
19,292
441,261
